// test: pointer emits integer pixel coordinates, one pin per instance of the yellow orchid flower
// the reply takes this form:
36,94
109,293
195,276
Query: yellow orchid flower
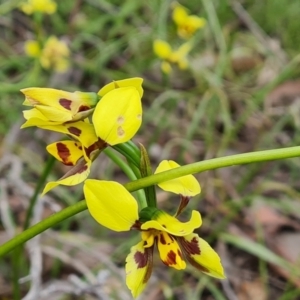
53,107
114,207
43,6
116,119
178,57
187,24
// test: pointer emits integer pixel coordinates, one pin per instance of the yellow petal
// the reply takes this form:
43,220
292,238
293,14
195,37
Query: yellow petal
118,115
170,252
162,49
166,67
130,82
47,96
76,175
40,123
82,131
195,22
54,115
33,114
179,15
68,152
185,185
59,99
167,223
138,268
111,204
199,253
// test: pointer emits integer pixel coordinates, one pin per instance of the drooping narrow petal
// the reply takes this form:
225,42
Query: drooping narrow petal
138,268
185,185
111,204
133,82
118,116
200,254
68,152
76,175
170,252
164,222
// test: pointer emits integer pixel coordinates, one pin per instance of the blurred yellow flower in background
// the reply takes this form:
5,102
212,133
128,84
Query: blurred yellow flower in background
54,55
187,24
32,48
178,57
43,6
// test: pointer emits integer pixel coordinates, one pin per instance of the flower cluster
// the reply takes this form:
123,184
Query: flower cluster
54,54
187,25
94,121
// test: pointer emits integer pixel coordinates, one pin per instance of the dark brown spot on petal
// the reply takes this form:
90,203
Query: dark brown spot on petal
149,253
141,259
170,259
190,247
81,170
83,108
65,103
75,131
64,153
99,145
162,239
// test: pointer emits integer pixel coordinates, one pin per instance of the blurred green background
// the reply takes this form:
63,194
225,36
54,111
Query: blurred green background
240,94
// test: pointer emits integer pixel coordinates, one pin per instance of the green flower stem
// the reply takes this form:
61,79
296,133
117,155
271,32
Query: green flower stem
129,172
215,163
202,166
129,152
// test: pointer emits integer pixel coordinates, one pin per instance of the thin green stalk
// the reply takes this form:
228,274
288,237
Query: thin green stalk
215,163
129,152
202,166
129,172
